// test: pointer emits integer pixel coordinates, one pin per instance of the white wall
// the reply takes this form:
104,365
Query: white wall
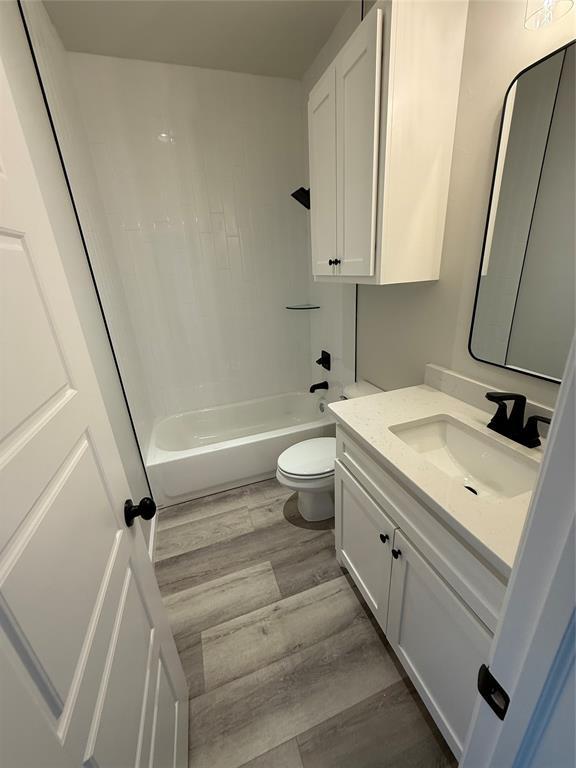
400,328
39,137
209,244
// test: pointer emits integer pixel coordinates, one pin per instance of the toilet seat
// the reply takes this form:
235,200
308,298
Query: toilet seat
311,459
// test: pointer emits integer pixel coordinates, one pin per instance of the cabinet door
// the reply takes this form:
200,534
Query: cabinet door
364,536
438,639
322,153
358,70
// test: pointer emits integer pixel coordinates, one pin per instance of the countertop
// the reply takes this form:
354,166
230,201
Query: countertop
490,526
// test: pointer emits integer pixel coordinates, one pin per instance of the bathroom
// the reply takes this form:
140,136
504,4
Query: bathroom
290,353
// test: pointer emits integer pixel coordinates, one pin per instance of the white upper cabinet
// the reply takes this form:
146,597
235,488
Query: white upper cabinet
381,126
322,143
358,117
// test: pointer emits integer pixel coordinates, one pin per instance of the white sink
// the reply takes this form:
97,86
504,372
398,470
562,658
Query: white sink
484,465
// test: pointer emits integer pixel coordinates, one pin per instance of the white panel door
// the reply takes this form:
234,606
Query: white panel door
89,671
322,153
439,640
358,76
364,537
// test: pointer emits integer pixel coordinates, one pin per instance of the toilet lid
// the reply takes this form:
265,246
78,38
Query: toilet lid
309,458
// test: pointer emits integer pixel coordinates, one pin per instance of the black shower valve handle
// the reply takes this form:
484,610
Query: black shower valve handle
325,360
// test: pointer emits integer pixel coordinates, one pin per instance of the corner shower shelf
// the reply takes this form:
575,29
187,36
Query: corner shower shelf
303,306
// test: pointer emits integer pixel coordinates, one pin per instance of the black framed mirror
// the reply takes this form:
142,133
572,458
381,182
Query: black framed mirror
524,309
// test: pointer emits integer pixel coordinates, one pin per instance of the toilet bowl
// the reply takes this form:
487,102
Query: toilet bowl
308,468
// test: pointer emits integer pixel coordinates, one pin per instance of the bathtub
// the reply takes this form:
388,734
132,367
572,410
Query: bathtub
201,452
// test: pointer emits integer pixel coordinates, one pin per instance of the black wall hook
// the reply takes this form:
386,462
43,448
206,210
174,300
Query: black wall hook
302,196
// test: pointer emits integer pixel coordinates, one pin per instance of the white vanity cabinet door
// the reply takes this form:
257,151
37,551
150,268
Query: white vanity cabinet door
358,71
364,536
322,149
438,640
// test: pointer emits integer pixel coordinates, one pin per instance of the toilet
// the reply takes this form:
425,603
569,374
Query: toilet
308,467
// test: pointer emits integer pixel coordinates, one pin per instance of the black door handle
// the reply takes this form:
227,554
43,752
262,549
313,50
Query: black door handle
146,510
384,538
396,553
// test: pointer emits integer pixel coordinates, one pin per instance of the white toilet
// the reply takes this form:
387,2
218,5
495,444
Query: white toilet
308,467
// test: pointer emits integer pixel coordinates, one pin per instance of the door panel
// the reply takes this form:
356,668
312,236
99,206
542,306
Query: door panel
114,740
360,523
80,609
34,349
66,593
438,639
165,719
322,152
358,72
19,712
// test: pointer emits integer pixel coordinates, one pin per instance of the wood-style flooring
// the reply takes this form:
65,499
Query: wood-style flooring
285,665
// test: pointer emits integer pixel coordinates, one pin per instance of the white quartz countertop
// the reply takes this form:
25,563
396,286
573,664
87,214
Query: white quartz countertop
490,526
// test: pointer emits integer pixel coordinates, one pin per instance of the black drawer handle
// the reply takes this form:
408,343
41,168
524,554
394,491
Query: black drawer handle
396,553
384,538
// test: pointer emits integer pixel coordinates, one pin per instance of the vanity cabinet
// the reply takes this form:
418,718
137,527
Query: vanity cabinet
439,640
436,601
364,538
381,125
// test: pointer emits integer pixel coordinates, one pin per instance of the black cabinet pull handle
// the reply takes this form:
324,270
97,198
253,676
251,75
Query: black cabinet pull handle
331,262
396,553
146,509
384,538
337,261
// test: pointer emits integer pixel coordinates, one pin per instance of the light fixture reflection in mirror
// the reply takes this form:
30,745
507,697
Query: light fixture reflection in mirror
540,13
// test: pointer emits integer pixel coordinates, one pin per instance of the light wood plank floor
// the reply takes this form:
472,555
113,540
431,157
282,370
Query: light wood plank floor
286,667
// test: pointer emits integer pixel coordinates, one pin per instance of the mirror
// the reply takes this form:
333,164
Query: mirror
524,315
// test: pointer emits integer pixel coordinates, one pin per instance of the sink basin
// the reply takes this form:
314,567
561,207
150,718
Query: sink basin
483,465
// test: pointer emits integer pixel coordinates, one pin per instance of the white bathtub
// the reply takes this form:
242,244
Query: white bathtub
202,452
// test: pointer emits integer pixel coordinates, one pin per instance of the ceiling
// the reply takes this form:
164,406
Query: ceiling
265,37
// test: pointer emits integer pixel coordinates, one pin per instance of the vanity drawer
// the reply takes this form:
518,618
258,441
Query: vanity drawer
476,583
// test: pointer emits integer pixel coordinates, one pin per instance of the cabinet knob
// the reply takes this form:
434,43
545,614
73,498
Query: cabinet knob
396,553
337,261
384,538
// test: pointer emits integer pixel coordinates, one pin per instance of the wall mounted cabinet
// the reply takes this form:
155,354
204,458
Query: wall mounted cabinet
381,125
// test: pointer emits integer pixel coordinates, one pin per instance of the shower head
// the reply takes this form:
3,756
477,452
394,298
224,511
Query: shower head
302,196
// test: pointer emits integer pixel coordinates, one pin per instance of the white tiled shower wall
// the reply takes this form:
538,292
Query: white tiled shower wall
196,244
210,245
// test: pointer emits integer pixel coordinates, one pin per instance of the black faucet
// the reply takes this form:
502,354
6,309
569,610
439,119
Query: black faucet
508,425
530,436
512,426
322,385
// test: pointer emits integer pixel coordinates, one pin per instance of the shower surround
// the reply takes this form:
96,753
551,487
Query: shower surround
195,169
182,178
